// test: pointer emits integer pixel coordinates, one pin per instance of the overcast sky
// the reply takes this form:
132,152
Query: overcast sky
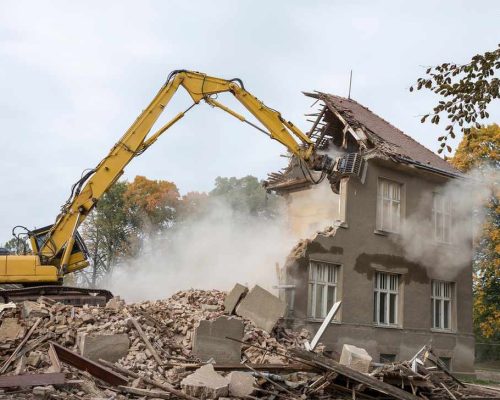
74,76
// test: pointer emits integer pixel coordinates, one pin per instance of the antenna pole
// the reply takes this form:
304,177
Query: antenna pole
350,83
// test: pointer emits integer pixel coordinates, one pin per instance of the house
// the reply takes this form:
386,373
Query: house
389,253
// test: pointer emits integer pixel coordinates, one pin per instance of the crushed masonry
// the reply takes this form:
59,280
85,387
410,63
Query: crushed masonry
47,358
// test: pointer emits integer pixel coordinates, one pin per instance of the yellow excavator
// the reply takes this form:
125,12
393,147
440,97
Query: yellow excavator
58,249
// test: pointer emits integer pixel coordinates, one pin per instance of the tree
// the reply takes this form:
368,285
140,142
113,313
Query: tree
481,151
467,89
106,231
18,245
246,195
152,204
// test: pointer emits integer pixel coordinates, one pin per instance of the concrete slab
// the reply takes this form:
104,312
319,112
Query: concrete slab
262,308
32,309
355,358
205,383
210,341
241,384
108,347
233,298
10,329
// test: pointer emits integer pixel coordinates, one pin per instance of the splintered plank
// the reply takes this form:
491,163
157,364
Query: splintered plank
84,364
372,383
55,378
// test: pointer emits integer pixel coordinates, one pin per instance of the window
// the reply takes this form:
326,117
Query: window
389,206
385,311
441,305
441,214
322,288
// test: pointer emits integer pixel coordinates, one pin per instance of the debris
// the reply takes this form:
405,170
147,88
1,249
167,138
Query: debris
241,384
331,314
32,380
10,329
210,340
355,358
205,383
108,347
91,367
32,309
262,308
233,298
272,364
145,340
144,392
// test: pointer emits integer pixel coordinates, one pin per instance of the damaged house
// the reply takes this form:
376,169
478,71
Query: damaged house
393,303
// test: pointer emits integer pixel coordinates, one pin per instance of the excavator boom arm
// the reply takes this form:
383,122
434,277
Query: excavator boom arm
59,240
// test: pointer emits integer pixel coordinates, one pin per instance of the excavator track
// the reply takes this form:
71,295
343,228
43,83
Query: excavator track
62,294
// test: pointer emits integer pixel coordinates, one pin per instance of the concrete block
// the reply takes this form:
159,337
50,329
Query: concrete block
210,341
262,308
32,309
205,383
241,384
355,358
108,347
233,298
10,329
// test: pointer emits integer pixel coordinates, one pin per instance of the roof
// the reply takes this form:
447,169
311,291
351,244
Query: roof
405,148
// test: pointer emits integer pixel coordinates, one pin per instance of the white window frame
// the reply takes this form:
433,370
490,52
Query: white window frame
442,300
442,213
386,285
322,277
392,197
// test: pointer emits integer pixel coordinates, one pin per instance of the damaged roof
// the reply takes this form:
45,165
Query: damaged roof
401,146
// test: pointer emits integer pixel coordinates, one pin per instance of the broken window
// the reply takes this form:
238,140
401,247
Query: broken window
386,294
389,206
441,304
441,213
322,290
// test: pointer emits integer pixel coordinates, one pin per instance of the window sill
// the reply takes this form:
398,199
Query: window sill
437,330
320,320
387,326
385,233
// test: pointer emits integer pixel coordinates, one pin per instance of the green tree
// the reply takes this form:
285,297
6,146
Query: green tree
481,151
466,89
18,245
106,231
246,195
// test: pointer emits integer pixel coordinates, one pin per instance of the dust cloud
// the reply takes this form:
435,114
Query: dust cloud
213,250
467,198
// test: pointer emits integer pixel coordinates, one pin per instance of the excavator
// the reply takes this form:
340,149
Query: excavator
58,249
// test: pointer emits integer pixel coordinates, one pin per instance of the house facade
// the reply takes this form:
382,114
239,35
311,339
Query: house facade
388,252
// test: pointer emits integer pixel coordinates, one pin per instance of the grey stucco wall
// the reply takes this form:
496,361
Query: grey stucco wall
360,251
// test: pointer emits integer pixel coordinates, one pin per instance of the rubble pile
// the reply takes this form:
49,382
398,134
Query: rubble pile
194,345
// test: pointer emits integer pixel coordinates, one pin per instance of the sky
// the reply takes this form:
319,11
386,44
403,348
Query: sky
75,75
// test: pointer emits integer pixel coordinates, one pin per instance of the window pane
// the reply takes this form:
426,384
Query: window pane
330,299
394,282
386,217
375,306
310,300
383,280
437,314
382,312
392,308
446,314
319,301
395,217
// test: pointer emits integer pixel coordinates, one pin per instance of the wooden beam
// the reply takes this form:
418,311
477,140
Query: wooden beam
146,341
32,380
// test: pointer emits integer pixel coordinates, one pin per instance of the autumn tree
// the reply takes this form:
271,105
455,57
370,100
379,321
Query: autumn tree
151,204
466,91
480,150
